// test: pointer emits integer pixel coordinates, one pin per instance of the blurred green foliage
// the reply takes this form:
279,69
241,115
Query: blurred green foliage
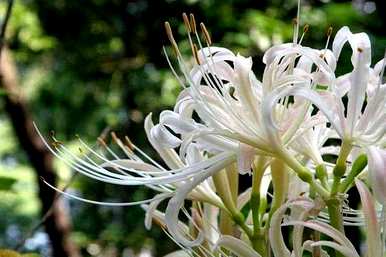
90,65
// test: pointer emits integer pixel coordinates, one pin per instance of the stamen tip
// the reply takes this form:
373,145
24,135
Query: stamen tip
306,28
329,31
129,143
193,23
102,142
169,33
186,22
206,34
114,136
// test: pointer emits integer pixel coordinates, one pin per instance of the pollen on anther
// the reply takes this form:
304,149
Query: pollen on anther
169,33
329,31
206,33
193,23
360,50
114,136
186,22
306,28
129,143
102,142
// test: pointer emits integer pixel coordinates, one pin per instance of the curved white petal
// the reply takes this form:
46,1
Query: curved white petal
377,172
373,232
237,246
177,201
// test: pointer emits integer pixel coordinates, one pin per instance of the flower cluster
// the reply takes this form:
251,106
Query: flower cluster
276,130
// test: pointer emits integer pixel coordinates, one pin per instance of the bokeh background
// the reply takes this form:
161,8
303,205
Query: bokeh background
90,66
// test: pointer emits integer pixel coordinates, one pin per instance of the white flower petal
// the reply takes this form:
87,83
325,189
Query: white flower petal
245,157
177,201
377,172
373,233
237,246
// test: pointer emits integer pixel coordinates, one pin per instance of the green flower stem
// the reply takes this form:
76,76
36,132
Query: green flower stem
316,251
303,173
334,204
340,167
259,243
336,219
258,172
220,180
225,223
258,240
321,174
358,166
233,179
280,181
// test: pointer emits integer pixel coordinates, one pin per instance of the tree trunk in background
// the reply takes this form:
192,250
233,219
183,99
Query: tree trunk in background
57,225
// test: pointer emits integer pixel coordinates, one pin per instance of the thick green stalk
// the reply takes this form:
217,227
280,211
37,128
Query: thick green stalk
280,181
334,203
233,179
220,180
336,219
258,240
258,172
303,173
340,166
358,166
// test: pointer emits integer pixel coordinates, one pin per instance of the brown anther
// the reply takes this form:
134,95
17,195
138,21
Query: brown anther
114,136
193,23
159,222
129,143
306,28
206,33
169,33
232,91
195,54
56,143
102,142
186,22
329,31
80,150
323,56
360,50
295,21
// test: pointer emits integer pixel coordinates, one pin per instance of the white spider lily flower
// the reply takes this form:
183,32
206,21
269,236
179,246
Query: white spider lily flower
140,170
363,128
227,97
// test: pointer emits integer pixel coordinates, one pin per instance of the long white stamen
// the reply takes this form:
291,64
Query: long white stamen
99,202
296,24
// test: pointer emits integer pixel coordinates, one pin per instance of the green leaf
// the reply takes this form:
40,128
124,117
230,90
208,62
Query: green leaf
6,183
